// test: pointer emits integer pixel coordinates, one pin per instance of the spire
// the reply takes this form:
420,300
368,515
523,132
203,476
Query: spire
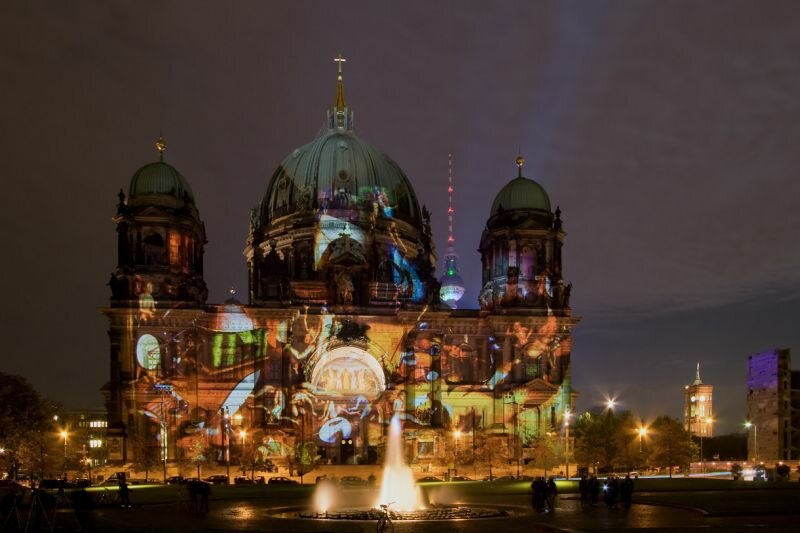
340,116
339,102
697,380
161,145
520,163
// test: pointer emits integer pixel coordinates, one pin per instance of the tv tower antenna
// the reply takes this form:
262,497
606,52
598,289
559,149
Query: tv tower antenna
452,286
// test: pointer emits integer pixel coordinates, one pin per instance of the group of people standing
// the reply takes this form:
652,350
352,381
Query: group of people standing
543,494
614,489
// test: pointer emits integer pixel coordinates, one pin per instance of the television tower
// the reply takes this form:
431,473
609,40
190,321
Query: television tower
452,286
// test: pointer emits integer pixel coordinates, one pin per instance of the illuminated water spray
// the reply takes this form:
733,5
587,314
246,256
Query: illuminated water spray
398,487
452,286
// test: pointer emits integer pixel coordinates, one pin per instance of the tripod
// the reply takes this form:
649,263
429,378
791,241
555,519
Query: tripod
14,502
38,510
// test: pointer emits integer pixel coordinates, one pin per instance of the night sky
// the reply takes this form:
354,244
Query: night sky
668,132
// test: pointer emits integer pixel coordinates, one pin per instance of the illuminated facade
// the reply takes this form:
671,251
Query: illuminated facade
698,407
343,327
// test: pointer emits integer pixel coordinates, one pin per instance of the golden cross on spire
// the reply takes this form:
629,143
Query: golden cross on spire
161,145
340,60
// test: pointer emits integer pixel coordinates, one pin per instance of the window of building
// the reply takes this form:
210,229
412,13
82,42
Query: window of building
148,352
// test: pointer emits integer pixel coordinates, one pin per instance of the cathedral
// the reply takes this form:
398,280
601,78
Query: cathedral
345,324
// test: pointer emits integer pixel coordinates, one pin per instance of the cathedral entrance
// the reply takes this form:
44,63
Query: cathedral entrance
349,382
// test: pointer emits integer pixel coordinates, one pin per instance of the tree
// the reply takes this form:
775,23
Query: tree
627,450
146,454
547,452
306,458
25,422
670,442
594,445
197,454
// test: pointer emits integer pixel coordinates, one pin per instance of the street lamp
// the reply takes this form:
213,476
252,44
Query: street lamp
748,424
242,441
642,432
457,435
611,403
567,414
64,435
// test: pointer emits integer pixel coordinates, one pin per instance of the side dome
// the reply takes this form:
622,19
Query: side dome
339,170
159,178
521,193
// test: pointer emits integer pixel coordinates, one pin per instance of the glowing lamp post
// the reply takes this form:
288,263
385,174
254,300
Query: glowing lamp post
567,414
64,435
610,403
642,432
242,441
748,425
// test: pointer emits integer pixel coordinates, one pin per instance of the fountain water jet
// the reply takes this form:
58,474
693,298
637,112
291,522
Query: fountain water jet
397,486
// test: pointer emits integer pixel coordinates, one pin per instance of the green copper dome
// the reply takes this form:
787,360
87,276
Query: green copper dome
162,179
338,170
521,193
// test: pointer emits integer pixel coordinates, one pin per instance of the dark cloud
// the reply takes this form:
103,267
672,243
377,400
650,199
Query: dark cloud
666,131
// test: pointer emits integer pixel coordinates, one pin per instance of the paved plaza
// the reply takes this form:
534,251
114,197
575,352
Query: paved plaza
741,510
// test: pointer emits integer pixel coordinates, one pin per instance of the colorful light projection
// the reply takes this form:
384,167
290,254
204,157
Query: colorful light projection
347,370
329,229
148,352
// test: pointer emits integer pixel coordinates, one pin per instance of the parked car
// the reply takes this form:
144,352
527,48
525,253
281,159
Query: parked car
259,480
428,479
352,481
280,480
175,480
219,479
505,478
525,478
461,478
243,480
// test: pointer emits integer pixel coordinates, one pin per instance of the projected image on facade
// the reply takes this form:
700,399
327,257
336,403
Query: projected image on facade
342,326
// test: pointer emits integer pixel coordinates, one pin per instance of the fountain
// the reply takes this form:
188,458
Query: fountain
398,487
398,491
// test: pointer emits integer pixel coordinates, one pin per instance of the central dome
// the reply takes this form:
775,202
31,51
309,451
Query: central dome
338,170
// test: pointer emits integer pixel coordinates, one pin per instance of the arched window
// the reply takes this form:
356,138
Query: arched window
174,248
153,248
526,263
148,352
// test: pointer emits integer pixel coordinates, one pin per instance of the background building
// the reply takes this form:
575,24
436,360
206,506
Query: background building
86,437
344,327
698,407
773,406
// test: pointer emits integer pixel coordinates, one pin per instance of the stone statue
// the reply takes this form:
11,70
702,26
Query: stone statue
344,287
565,296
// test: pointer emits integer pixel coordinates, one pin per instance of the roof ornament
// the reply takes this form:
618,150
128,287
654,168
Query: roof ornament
161,145
340,83
340,116
697,380
520,163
